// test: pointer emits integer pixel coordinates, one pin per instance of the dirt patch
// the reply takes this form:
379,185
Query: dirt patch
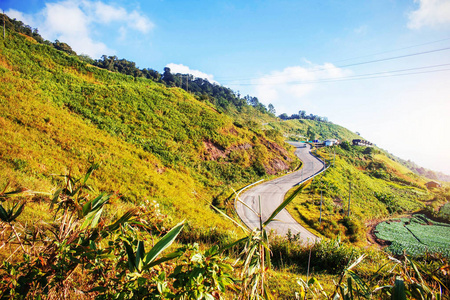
277,148
214,151
230,130
276,165
337,202
372,239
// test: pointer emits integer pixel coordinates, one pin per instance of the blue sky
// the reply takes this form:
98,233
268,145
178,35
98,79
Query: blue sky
379,67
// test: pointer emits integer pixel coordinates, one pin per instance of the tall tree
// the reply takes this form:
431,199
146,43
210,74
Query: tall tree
283,116
167,77
271,108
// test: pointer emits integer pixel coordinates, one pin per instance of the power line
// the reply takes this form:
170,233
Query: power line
357,64
394,50
392,58
373,54
359,77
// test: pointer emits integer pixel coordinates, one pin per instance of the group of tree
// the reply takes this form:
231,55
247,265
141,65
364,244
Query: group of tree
302,115
114,64
218,95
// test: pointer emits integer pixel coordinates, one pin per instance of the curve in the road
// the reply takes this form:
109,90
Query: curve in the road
272,194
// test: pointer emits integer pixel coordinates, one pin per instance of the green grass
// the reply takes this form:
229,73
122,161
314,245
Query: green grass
298,130
379,188
59,114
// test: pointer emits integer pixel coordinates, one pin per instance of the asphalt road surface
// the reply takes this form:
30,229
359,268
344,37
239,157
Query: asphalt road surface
272,195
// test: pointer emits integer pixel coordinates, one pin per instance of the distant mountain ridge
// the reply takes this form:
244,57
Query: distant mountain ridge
436,175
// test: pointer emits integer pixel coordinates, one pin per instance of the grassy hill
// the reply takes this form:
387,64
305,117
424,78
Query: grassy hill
60,113
377,186
166,155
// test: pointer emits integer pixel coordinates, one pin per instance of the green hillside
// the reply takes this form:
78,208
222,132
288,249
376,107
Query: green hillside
377,186
301,130
164,155
60,113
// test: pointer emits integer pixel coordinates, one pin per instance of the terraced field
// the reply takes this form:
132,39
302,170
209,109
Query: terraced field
416,236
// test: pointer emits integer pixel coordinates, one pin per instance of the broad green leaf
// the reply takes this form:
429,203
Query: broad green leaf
163,259
91,169
55,197
131,257
124,218
234,243
360,283
3,214
91,219
399,290
94,204
165,242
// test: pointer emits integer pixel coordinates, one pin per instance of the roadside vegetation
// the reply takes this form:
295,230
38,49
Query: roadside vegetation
120,186
363,186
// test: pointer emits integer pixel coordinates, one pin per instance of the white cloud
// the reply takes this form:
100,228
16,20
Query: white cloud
431,13
15,14
139,22
75,23
283,88
105,13
182,69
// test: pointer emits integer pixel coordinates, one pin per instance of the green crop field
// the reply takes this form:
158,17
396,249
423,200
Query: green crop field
416,235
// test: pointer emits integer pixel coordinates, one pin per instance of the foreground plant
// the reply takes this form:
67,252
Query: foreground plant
256,252
74,239
395,280
83,255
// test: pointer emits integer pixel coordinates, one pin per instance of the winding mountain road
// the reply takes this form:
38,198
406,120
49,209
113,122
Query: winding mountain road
272,195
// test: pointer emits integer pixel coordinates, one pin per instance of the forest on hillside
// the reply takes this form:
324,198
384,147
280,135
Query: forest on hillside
218,95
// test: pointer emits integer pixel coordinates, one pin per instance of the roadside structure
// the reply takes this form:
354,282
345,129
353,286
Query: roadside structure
432,184
330,142
359,142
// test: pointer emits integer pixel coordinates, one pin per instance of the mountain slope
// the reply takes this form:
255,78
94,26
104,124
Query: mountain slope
59,113
370,183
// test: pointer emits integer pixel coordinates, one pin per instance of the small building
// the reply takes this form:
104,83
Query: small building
358,142
330,142
432,184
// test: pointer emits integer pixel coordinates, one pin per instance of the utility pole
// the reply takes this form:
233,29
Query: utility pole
321,199
349,195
